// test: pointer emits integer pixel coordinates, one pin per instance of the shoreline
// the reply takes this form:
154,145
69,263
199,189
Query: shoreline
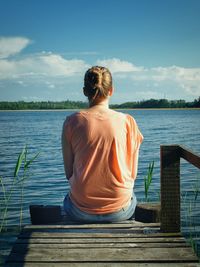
43,110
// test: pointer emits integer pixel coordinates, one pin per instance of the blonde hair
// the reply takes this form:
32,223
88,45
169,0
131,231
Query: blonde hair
97,83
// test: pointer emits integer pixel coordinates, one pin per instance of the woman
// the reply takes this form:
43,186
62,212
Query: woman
100,152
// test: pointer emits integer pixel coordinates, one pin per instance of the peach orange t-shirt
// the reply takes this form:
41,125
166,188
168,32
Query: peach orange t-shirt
105,148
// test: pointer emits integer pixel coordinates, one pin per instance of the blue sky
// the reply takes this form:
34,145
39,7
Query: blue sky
150,46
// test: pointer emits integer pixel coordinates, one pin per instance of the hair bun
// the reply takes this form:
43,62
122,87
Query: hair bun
97,82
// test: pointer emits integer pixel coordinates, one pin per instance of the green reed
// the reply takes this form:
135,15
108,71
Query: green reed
192,229
21,174
196,189
192,238
148,180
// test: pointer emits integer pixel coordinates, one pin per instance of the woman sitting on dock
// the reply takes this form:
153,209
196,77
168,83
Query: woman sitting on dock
100,152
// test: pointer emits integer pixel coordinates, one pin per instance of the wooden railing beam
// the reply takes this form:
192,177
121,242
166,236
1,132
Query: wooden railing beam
190,156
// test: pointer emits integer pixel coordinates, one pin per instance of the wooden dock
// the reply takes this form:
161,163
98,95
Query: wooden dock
127,244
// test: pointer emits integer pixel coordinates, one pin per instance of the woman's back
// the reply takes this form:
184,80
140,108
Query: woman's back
105,145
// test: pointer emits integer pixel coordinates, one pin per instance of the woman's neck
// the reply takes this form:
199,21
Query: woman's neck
102,104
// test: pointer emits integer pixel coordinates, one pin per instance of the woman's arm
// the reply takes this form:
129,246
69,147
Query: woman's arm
68,156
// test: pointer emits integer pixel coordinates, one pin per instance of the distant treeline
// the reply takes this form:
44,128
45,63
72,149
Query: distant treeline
151,103
22,105
160,103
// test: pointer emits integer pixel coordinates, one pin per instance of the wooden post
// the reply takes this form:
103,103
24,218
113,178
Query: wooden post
170,188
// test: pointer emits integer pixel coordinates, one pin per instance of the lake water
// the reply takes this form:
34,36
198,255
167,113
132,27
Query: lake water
41,131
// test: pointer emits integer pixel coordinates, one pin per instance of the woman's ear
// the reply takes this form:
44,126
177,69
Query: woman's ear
111,91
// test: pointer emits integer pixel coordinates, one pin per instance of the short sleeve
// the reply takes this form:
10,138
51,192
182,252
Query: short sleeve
67,130
135,134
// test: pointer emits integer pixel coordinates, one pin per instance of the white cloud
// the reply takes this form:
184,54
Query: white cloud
50,71
56,65
186,79
115,65
175,73
41,65
34,65
10,46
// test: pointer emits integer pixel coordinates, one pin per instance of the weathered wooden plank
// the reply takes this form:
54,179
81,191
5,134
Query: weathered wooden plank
99,231
26,247
100,264
133,225
93,235
100,240
108,254
148,212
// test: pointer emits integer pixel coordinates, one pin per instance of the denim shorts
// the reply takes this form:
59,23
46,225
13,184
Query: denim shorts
77,215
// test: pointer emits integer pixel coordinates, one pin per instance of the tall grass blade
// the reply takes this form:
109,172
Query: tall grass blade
19,162
4,205
148,179
27,163
3,189
196,190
